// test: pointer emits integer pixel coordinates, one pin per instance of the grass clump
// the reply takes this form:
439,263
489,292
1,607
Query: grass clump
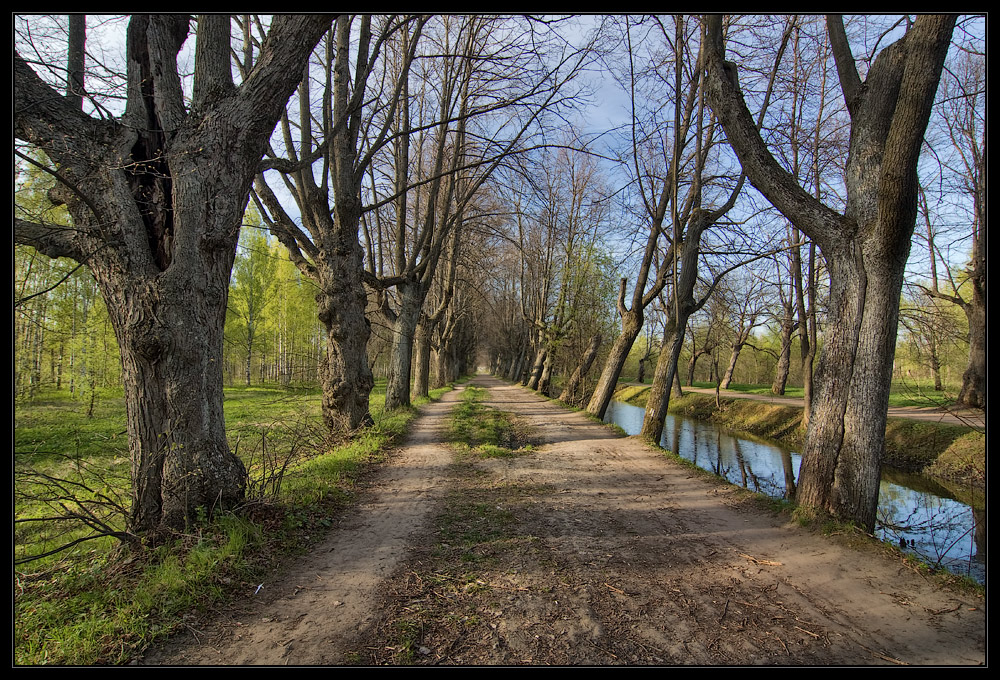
485,431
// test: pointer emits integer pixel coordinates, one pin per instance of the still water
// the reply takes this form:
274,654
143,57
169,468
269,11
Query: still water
911,508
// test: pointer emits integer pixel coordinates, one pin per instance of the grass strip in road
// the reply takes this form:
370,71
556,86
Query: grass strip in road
485,431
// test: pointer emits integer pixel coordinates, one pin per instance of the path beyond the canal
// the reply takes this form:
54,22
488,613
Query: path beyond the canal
948,415
587,549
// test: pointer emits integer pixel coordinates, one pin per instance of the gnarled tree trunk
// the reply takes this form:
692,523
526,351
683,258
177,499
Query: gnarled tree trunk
157,200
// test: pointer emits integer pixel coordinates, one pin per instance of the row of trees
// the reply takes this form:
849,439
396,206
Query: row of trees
63,338
388,132
438,194
834,147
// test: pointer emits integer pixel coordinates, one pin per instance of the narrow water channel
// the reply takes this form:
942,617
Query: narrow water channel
912,509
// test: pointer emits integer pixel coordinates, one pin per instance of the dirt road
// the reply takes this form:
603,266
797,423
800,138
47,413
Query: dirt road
590,549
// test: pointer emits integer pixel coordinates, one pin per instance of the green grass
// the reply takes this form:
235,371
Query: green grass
99,604
484,431
900,394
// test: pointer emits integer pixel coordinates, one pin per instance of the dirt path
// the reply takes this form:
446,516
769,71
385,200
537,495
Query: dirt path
589,549
330,594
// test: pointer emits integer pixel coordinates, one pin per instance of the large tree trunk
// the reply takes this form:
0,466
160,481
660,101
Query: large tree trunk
865,249
846,433
170,335
620,348
345,375
570,394
157,203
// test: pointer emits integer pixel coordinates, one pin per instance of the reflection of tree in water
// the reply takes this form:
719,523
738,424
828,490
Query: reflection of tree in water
719,468
941,531
789,470
747,475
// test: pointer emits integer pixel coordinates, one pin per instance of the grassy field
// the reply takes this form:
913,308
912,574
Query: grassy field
97,604
901,394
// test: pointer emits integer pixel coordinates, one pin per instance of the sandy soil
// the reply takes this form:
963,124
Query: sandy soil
594,550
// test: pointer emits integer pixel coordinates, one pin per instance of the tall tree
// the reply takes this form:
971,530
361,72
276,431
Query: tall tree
156,197
655,172
865,248
690,221
326,247
963,119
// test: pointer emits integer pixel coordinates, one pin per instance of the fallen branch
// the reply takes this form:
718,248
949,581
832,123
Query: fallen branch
884,657
768,563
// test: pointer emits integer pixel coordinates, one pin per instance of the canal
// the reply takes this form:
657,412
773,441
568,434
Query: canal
913,511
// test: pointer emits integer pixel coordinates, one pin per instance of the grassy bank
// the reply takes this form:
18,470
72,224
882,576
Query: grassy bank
900,393
96,604
946,451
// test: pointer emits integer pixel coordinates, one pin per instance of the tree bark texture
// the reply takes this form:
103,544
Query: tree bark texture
537,367
973,393
664,376
422,358
397,391
157,200
346,376
620,348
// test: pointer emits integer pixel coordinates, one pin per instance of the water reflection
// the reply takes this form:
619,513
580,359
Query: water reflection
913,511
